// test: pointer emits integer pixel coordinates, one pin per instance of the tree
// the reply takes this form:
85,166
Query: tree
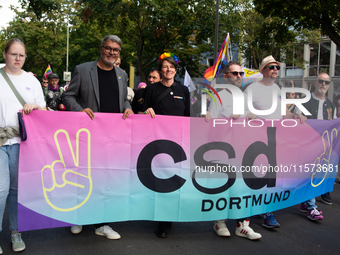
45,37
314,14
257,36
151,27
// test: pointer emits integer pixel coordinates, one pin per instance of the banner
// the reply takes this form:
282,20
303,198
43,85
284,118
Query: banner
73,170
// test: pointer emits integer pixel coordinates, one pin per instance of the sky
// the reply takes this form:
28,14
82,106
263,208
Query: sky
5,13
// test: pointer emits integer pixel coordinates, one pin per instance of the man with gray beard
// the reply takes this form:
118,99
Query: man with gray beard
99,86
321,108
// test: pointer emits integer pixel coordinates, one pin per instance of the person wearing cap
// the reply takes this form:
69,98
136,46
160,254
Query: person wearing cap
261,97
321,108
232,73
54,93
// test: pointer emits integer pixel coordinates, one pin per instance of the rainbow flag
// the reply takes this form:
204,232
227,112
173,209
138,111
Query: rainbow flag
212,72
48,71
222,58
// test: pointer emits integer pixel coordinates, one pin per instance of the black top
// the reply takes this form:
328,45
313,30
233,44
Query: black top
175,103
138,101
53,98
108,91
313,106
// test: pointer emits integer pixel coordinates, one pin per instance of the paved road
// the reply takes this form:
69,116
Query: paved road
297,235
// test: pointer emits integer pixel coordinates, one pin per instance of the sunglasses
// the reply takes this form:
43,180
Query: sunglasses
271,67
45,81
323,81
235,73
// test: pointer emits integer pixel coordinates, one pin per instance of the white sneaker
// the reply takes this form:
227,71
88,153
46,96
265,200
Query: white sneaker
76,229
243,230
108,232
221,228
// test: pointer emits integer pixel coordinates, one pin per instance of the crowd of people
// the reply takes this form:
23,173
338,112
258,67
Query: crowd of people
101,86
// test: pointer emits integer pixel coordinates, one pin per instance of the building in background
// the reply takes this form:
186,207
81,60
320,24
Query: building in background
319,58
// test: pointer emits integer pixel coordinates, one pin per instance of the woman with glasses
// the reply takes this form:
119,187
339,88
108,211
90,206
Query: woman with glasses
29,89
167,97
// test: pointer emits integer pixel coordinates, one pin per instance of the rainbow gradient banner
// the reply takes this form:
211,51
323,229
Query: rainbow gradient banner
77,171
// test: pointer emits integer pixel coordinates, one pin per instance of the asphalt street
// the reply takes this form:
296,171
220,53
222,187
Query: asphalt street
297,235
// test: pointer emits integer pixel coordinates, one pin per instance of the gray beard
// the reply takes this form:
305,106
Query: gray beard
108,62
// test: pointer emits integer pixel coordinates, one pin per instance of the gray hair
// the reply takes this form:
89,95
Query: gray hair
112,38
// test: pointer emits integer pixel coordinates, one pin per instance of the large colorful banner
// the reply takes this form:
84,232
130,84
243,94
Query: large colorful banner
74,170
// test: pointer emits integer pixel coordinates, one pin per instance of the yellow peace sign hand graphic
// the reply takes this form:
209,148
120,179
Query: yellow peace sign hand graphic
70,174
322,162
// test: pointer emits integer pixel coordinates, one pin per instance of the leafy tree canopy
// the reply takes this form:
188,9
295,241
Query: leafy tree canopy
313,14
150,28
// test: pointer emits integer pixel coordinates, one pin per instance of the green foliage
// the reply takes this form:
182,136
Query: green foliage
45,37
150,28
301,14
258,36
40,6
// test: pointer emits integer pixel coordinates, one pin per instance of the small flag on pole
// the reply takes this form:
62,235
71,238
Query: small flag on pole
188,82
48,71
222,59
211,73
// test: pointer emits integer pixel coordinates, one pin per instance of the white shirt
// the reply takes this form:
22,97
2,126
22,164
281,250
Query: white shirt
30,90
320,108
226,109
262,99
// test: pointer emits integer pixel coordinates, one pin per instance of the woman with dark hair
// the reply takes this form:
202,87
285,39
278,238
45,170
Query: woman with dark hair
167,98
31,98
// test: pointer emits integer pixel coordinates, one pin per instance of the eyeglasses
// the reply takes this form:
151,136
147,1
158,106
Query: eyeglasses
323,81
108,49
16,55
235,73
271,67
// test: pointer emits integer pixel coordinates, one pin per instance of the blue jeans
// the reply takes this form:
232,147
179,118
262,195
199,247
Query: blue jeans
9,159
310,204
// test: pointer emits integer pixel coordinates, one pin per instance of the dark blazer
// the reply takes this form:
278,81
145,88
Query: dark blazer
83,91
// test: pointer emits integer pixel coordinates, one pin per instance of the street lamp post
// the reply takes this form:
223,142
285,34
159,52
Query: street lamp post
216,29
67,43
